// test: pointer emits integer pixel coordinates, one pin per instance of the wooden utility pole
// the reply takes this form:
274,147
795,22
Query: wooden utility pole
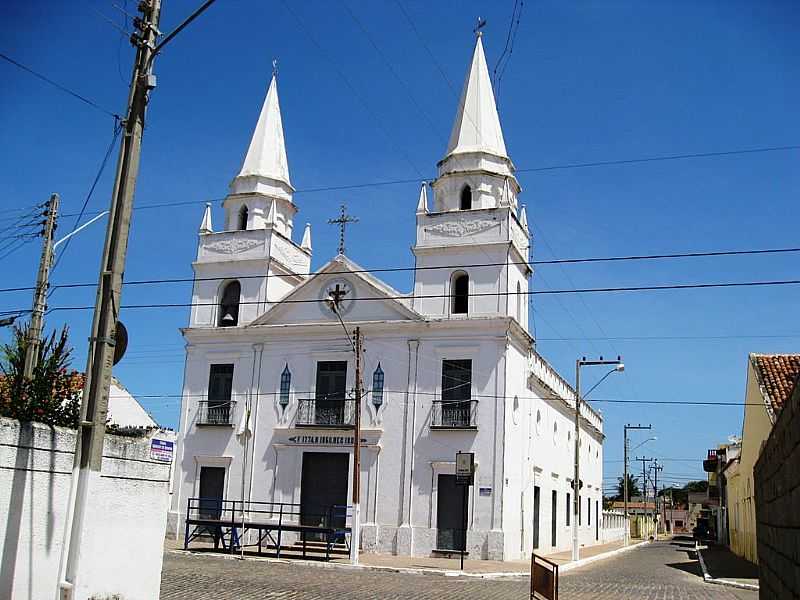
40,293
94,406
355,529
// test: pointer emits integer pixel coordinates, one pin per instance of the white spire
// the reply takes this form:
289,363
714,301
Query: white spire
205,225
523,218
306,243
266,156
477,125
271,218
422,205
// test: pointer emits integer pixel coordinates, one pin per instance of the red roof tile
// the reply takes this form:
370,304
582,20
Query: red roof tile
777,375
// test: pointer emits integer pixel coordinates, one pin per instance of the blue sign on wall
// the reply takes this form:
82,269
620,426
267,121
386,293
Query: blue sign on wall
161,450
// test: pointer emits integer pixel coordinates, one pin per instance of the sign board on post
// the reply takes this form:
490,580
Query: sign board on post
465,468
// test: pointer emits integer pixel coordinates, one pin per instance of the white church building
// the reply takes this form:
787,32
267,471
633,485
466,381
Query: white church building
448,366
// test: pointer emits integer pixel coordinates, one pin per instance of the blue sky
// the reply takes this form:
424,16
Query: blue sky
586,82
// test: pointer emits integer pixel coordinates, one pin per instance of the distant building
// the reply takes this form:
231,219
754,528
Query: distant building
770,380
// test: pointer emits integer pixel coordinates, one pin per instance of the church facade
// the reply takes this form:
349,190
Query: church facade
268,405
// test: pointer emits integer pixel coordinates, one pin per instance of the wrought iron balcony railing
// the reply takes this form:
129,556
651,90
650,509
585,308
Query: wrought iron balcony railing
454,414
326,412
216,412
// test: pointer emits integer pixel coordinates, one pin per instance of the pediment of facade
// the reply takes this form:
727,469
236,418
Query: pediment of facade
362,297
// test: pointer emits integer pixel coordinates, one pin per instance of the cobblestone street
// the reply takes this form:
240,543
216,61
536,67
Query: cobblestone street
663,571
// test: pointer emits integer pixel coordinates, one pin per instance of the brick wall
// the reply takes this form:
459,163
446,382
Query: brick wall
777,491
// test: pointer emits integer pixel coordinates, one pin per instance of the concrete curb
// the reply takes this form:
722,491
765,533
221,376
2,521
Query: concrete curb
408,570
590,559
727,582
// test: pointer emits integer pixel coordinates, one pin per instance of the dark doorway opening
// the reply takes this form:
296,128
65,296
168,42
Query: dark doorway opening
323,485
451,520
212,489
536,505
330,392
554,519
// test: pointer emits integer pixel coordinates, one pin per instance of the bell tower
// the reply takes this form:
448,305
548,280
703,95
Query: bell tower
253,261
474,218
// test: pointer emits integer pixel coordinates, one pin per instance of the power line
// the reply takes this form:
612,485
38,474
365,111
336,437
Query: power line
117,129
473,397
58,86
352,88
640,288
658,158
451,267
417,180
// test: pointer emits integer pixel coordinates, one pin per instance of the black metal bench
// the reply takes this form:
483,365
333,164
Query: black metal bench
227,521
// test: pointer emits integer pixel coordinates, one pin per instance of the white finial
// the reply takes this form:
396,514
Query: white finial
205,225
523,217
274,67
505,199
422,205
306,243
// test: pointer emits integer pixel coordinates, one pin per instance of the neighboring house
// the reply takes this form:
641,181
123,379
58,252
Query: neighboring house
770,380
124,410
449,366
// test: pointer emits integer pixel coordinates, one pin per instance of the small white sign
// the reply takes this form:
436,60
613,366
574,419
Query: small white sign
161,450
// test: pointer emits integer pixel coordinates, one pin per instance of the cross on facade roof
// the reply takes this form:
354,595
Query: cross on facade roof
342,222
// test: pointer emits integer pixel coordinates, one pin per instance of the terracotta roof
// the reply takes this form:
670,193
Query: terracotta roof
777,376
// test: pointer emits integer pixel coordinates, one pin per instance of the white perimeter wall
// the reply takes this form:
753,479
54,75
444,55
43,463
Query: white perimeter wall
126,518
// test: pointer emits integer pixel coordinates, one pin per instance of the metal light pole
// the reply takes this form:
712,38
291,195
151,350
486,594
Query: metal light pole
582,362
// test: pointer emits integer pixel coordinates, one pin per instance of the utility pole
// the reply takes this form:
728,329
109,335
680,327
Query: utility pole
644,485
656,469
625,492
40,294
618,367
355,530
94,406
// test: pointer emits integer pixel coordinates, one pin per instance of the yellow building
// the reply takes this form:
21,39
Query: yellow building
770,380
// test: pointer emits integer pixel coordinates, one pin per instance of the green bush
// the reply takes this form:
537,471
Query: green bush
52,395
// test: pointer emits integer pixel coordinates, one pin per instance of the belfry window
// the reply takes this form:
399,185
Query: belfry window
286,384
466,198
229,305
460,294
243,213
377,387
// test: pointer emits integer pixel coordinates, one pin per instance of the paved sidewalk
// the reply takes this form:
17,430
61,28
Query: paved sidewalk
562,558
722,564
436,564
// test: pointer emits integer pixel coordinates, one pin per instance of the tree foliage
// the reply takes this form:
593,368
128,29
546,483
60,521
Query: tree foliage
52,395
633,487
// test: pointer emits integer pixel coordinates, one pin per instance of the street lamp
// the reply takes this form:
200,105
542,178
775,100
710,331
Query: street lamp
619,367
652,439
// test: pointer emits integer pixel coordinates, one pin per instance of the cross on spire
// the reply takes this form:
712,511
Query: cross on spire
342,222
